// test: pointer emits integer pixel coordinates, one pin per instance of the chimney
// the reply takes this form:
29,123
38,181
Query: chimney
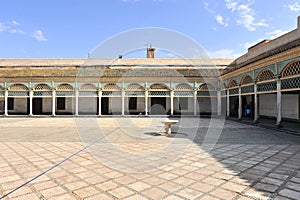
298,22
150,52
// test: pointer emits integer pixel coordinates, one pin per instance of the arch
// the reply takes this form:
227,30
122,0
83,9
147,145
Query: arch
134,86
206,87
246,80
183,86
42,86
232,83
18,87
291,69
88,86
65,87
159,86
111,86
264,75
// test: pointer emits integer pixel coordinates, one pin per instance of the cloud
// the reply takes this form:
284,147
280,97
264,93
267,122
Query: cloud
294,7
10,27
223,53
16,23
231,5
277,33
220,20
39,36
209,10
246,15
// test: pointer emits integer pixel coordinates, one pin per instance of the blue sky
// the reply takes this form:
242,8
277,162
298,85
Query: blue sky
73,28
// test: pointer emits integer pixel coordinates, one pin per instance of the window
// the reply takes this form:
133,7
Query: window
133,103
183,103
11,103
61,103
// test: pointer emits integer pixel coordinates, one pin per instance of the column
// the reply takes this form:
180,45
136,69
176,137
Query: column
255,103
240,104
146,102
195,102
30,102
53,102
99,102
228,103
6,102
123,102
219,103
76,102
278,120
172,101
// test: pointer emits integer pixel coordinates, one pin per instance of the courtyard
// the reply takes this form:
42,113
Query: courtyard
131,158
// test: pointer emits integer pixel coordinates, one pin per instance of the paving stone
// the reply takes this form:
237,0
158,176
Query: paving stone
223,194
234,187
290,194
266,187
121,192
272,181
203,187
189,193
86,192
154,193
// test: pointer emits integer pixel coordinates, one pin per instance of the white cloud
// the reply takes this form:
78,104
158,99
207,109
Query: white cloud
277,33
246,15
16,23
17,31
223,53
39,36
220,20
231,5
294,7
209,10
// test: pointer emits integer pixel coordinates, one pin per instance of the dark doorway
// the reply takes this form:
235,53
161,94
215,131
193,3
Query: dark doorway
158,106
233,106
105,105
37,108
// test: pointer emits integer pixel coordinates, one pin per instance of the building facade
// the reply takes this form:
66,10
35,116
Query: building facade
263,83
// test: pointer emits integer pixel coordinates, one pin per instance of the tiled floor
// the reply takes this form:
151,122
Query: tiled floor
125,158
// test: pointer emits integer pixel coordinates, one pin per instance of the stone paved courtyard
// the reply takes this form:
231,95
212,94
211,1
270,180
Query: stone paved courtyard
133,159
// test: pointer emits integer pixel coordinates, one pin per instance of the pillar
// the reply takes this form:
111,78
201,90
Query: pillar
123,102
172,101
99,102
255,103
76,102
227,103
6,102
195,102
53,102
146,102
240,104
30,102
278,120
219,103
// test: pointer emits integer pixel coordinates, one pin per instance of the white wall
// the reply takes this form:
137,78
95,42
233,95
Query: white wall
207,104
290,106
20,105
88,105
267,104
115,105
47,105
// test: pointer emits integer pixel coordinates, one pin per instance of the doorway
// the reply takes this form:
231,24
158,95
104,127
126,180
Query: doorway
37,108
158,106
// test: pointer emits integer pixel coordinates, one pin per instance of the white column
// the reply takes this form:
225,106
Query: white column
240,104
195,102
123,102
146,102
172,101
30,102
53,102
278,120
6,103
219,103
255,103
99,102
76,102
228,103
